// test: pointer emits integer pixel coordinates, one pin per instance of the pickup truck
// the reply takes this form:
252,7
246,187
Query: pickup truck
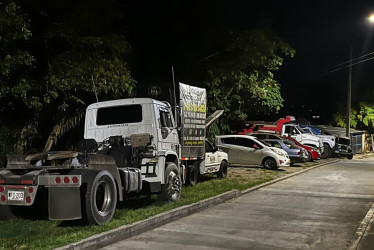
338,146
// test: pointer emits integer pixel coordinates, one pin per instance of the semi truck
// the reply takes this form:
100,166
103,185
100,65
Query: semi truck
286,127
130,146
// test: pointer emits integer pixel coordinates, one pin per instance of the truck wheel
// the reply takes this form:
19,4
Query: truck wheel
326,152
100,197
270,163
222,173
171,190
192,175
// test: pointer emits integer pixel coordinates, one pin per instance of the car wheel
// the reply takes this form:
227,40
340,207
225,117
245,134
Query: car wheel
350,157
222,173
270,163
309,157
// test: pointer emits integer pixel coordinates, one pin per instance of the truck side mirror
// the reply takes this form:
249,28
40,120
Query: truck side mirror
165,131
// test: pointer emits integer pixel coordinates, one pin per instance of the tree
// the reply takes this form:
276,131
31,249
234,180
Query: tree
361,117
89,67
240,78
71,65
16,85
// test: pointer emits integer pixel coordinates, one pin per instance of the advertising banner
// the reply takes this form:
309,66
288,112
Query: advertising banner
193,103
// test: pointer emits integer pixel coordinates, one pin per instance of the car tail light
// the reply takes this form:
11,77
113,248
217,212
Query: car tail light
58,180
27,182
1,189
31,190
28,199
3,198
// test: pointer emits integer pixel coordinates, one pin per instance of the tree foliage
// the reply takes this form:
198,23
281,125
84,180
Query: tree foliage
240,79
361,117
16,84
45,95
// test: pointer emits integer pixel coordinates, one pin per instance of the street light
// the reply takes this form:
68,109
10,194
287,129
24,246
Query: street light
371,18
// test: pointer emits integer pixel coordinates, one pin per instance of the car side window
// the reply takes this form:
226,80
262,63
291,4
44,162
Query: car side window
246,142
229,140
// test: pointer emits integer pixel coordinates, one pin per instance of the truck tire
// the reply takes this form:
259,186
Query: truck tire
222,173
100,197
171,190
269,163
326,152
192,175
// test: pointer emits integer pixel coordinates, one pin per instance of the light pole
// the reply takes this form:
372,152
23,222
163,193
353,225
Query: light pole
348,118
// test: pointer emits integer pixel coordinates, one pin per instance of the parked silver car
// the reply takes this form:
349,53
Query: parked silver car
248,150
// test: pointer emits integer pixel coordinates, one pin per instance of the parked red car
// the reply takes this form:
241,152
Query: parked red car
314,153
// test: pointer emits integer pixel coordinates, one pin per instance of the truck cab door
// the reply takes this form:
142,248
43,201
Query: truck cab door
211,157
291,131
168,134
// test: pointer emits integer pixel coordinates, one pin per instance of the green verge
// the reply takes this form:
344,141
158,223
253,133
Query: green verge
44,234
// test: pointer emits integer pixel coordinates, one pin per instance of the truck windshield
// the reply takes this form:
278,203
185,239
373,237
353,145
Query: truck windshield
301,131
119,114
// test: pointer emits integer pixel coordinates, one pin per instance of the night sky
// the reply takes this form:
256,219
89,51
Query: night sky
322,33
170,33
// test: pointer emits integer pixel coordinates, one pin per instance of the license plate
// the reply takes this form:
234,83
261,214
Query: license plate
15,195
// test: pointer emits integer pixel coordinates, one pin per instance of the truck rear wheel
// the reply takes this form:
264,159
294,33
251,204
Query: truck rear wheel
192,175
222,173
100,197
171,190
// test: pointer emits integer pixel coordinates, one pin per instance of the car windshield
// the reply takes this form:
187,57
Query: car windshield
290,144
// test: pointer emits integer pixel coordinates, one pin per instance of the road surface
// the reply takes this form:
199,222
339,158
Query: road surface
324,208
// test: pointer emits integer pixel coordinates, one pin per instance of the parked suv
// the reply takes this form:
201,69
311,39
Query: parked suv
248,150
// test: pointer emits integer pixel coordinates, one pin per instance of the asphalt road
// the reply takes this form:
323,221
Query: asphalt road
324,208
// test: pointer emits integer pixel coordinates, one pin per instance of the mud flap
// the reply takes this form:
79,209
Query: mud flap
64,203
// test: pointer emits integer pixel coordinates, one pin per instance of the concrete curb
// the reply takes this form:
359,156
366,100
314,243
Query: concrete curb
112,236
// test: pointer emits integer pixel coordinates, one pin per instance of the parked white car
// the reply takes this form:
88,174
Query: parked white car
248,150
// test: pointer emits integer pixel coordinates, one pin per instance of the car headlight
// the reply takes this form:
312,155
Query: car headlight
278,152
